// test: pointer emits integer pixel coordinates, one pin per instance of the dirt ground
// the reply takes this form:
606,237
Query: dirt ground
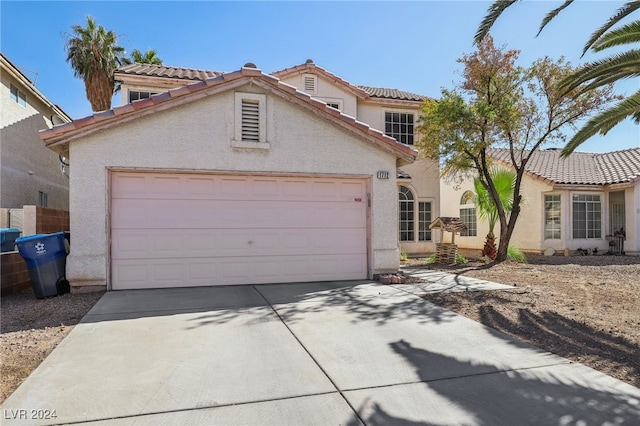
586,309
31,328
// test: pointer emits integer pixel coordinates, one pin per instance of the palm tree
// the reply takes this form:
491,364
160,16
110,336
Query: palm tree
504,181
94,54
149,57
596,74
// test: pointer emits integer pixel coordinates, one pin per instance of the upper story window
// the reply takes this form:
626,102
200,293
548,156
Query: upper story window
136,95
18,96
399,125
43,199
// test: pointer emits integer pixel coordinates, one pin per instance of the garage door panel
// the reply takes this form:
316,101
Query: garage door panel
193,230
150,244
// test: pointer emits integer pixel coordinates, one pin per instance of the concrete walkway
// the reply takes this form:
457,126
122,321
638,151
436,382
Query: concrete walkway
443,282
344,353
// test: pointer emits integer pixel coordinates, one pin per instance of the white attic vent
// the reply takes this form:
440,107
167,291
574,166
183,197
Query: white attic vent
310,82
250,120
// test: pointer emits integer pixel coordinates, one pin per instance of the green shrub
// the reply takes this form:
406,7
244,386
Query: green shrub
461,259
515,255
404,257
431,259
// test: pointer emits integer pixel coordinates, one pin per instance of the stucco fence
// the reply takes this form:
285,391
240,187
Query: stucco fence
30,220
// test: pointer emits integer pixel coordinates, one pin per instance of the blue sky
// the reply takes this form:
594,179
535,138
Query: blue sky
411,46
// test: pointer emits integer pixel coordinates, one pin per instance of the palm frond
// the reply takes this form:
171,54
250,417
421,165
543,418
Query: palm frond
493,13
626,62
629,33
621,13
552,15
605,121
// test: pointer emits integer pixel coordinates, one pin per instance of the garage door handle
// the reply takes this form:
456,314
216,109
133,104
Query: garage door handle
250,241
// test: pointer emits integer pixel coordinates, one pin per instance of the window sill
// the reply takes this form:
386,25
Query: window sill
251,145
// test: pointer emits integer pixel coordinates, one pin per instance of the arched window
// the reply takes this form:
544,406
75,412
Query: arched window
467,197
468,214
406,214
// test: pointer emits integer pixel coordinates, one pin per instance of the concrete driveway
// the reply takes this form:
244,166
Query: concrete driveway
342,353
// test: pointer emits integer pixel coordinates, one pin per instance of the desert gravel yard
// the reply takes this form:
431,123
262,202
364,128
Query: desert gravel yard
586,309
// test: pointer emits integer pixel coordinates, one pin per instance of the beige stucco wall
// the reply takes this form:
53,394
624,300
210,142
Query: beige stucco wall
327,91
632,197
197,136
529,232
425,185
26,165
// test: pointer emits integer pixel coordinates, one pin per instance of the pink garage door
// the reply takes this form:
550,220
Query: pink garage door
184,230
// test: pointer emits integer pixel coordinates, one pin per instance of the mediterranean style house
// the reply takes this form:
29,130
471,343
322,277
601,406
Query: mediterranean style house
586,202
235,178
392,111
30,174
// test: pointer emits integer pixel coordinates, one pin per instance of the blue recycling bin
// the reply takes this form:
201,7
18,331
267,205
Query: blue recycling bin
46,258
8,238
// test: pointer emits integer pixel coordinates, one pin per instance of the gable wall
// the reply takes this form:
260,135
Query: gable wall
327,91
197,136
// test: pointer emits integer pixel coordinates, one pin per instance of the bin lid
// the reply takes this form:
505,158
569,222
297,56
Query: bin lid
8,230
38,237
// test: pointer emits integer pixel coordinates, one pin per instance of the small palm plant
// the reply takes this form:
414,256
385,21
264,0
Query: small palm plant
504,181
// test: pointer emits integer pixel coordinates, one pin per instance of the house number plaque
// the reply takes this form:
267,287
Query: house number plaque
383,174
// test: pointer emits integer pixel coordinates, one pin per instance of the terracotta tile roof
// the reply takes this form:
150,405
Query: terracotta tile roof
100,120
401,174
378,92
150,70
310,67
363,92
580,168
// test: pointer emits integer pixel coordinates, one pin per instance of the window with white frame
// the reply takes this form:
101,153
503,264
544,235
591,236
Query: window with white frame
333,104
250,122
406,214
552,215
424,220
399,125
136,95
587,216
468,215
18,96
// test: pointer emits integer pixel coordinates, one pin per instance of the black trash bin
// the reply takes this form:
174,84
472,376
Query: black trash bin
46,257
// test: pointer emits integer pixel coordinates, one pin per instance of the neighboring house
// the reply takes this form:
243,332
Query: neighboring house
30,174
392,111
583,202
239,178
